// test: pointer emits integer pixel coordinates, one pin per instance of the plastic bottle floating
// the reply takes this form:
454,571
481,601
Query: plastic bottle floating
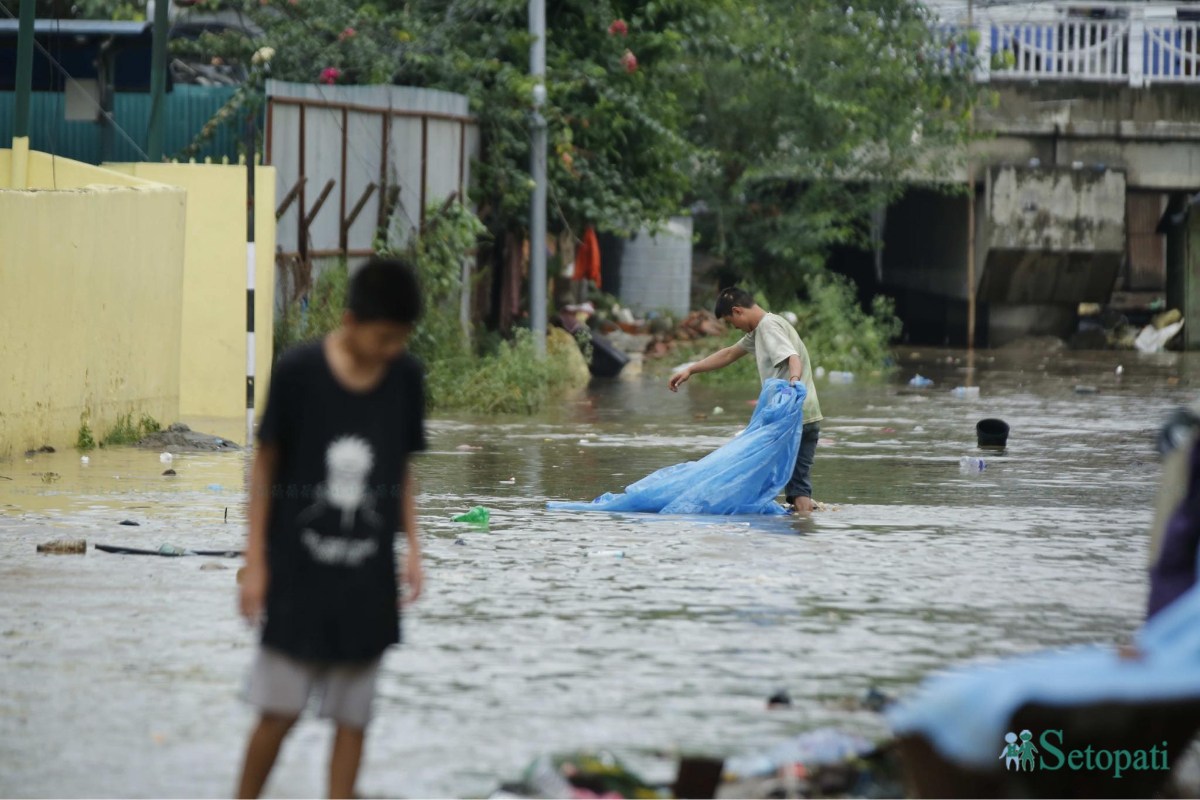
970,465
606,554
478,515
920,382
966,392
841,377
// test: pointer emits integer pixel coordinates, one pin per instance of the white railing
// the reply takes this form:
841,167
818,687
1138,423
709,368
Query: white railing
1049,43
1171,52
1069,50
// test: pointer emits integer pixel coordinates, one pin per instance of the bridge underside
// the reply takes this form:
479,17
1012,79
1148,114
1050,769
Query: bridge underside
1080,198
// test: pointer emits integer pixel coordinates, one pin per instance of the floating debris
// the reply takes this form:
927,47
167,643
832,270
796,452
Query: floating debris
971,465
477,515
64,547
606,554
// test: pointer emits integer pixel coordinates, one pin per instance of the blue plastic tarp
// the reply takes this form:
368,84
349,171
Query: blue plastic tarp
965,713
740,477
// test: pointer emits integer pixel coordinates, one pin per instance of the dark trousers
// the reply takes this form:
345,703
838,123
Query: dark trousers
800,484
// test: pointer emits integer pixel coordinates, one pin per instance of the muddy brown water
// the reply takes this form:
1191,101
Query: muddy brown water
119,675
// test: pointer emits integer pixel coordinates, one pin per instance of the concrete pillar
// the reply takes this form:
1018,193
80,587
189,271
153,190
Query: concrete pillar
1183,265
1191,280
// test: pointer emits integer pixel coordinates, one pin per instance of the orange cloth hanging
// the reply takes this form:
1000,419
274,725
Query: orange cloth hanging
587,258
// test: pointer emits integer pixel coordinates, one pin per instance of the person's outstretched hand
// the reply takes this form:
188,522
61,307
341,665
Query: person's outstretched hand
678,378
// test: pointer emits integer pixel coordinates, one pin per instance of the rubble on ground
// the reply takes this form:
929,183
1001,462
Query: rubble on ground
664,336
180,437
1111,330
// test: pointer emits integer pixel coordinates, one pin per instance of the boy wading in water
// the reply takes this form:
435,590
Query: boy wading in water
779,353
330,486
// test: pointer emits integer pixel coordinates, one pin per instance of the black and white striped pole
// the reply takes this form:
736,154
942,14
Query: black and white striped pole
250,264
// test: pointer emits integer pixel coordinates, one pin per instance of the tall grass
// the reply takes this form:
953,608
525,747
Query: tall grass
484,374
480,374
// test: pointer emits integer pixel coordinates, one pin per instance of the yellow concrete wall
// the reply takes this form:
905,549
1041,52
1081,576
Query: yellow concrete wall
53,172
91,283
213,343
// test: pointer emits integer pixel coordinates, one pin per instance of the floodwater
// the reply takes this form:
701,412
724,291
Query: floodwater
119,675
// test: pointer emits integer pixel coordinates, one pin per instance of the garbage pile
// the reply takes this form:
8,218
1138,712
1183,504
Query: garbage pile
826,762
699,324
1110,330
580,776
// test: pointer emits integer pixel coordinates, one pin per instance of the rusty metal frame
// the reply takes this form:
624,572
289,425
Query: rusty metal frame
289,198
344,232
424,165
395,112
298,193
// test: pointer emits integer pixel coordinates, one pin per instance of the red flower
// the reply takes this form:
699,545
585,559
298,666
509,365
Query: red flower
349,33
329,75
618,28
629,61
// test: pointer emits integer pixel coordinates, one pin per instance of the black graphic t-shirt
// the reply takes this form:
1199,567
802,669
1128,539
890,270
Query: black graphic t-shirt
335,505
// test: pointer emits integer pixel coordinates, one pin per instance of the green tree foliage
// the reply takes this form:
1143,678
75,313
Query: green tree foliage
809,116
785,124
492,377
617,155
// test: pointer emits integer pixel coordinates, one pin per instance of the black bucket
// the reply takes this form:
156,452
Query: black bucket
992,432
607,360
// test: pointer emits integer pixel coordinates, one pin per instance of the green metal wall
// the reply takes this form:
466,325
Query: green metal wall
188,108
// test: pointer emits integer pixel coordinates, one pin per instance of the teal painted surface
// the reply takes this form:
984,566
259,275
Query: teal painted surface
187,109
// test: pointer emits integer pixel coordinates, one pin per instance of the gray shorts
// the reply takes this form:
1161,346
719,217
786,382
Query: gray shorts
282,685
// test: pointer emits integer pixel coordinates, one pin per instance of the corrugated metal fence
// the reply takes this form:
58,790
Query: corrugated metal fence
347,157
188,108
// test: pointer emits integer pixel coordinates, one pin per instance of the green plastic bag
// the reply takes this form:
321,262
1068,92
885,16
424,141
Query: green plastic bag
476,516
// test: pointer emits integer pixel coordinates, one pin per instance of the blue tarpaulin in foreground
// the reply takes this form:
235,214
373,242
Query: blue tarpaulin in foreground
965,714
741,477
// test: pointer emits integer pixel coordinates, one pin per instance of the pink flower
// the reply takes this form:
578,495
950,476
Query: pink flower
629,61
349,33
618,28
329,75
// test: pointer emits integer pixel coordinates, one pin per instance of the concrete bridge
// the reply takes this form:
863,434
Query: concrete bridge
1083,182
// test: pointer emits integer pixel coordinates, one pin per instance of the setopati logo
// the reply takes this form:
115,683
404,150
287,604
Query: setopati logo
1050,753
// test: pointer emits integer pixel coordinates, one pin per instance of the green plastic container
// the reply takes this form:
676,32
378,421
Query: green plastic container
476,516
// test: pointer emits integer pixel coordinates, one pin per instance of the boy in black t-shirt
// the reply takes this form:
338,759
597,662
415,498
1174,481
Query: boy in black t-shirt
329,487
